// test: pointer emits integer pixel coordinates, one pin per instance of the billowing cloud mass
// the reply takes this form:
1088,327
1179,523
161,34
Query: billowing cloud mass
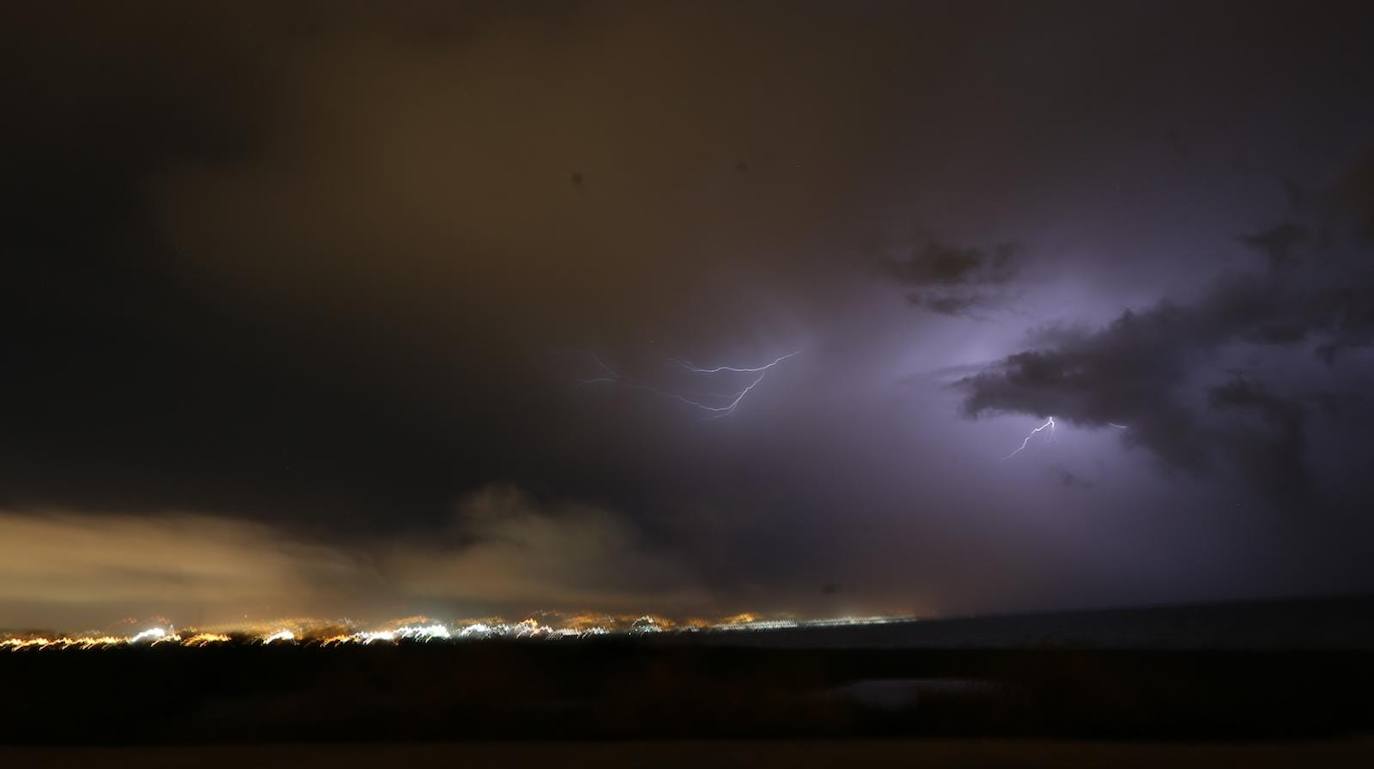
308,289
1174,374
505,551
65,568
502,553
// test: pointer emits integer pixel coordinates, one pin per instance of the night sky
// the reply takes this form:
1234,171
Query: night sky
376,309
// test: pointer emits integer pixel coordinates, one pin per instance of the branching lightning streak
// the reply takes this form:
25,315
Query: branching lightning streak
733,369
1049,424
725,411
716,411
610,375
1117,426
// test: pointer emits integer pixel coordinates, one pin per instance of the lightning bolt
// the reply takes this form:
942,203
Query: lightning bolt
608,374
1117,426
725,411
1048,425
734,369
611,376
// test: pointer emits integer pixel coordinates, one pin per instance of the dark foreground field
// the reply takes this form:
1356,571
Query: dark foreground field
936,753
646,690
931,680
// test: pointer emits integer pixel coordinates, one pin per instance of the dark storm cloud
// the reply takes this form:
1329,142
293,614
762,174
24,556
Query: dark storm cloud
325,268
125,391
312,264
953,280
1154,373
311,260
